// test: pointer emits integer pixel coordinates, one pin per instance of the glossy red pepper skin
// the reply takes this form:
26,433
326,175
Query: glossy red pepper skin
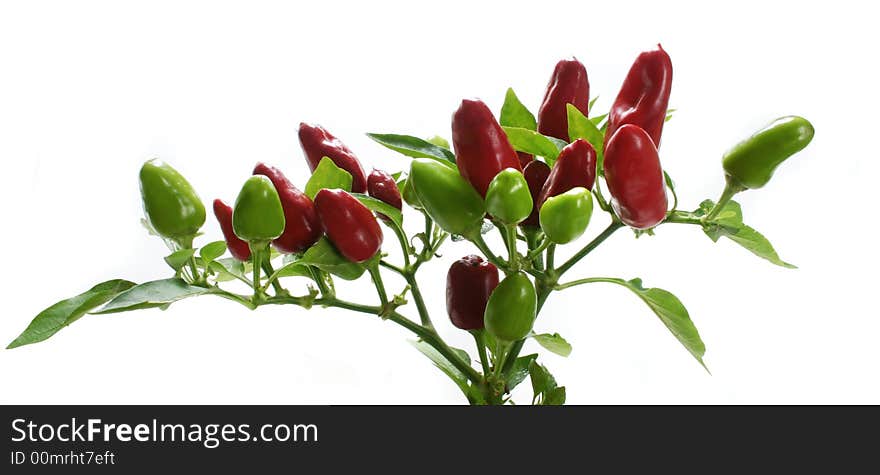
381,185
536,174
318,143
237,247
635,178
644,96
568,85
524,158
302,227
349,225
469,283
481,146
575,167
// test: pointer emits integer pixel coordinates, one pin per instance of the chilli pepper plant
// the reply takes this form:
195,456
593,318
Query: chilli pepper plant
538,182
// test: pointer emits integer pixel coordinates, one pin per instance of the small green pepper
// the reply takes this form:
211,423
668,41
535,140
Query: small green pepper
565,217
447,198
258,217
409,195
750,164
172,206
508,197
512,307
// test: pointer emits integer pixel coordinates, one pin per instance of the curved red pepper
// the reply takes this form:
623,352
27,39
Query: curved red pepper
568,85
481,146
349,225
575,166
237,247
381,185
644,96
318,143
469,283
536,173
302,227
635,178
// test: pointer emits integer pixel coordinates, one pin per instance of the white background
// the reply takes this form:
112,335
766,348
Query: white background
89,90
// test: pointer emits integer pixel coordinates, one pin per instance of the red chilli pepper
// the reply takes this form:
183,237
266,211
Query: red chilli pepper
635,178
536,174
575,167
237,247
481,146
302,227
349,225
568,85
644,96
469,283
381,185
318,143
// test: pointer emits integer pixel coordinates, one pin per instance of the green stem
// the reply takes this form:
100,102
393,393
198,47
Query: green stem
424,316
683,217
404,245
551,256
273,278
392,267
586,281
726,195
477,239
614,226
536,252
512,258
481,350
373,269
257,251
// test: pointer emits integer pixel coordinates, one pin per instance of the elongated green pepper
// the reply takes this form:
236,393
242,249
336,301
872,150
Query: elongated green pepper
171,204
512,308
565,217
750,164
447,198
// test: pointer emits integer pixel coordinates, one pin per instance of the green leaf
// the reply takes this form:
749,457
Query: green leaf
672,313
381,207
529,141
211,251
554,397
542,380
515,114
294,269
598,120
580,127
553,343
414,147
158,293
592,103
177,259
729,223
51,320
519,370
325,257
327,175
438,141
449,369
669,115
230,268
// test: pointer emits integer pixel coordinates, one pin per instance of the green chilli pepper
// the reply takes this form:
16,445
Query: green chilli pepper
512,307
172,206
258,216
447,198
565,217
750,164
508,197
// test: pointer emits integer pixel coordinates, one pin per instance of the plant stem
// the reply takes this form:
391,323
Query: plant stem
551,256
424,316
257,251
477,239
614,226
404,244
683,217
376,275
481,350
586,281
512,258
270,272
726,195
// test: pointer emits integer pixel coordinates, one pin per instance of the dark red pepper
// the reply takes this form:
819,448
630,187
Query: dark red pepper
469,283
575,166
302,227
318,143
349,225
568,85
481,146
381,185
536,173
635,178
644,96
237,247
524,158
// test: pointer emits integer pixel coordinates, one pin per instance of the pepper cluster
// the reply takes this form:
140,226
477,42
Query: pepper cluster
534,179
